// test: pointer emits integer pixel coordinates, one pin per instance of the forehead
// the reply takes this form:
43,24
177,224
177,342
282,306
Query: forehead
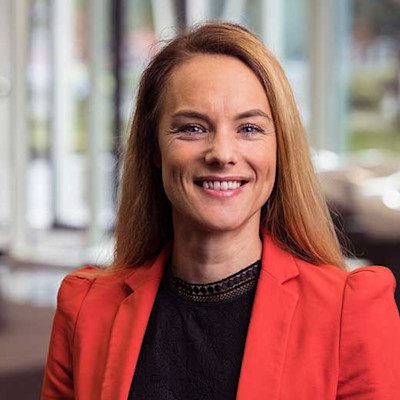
213,82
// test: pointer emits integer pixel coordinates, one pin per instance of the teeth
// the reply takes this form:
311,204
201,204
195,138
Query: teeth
224,185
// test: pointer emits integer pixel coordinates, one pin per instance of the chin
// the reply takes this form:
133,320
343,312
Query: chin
220,224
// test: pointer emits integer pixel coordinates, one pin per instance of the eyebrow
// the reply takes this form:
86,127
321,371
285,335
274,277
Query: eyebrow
194,114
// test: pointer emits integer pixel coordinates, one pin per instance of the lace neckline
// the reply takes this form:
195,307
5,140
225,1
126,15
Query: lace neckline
225,289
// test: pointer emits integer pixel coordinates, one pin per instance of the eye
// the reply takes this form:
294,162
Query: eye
191,129
250,129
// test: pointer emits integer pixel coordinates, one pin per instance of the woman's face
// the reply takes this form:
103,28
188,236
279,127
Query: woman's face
217,144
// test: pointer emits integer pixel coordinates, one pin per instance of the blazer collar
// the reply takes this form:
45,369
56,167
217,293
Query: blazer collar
152,270
275,261
278,262
264,353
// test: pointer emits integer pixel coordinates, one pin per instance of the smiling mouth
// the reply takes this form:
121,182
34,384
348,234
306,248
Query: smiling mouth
220,185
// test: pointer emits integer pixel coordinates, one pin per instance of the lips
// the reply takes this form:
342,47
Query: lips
221,185
218,182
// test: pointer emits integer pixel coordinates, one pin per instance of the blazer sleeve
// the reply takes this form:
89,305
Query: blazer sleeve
369,350
58,382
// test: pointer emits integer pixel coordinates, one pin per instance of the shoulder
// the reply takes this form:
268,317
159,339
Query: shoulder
368,292
368,289
90,275
87,290
71,294
369,346
364,277
75,285
86,281
371,277
344,289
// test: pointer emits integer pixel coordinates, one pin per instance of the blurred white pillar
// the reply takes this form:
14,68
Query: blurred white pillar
163,18
328,44
5,131
97,112
197,11
234,10
272,23
20,140
98,22
63,115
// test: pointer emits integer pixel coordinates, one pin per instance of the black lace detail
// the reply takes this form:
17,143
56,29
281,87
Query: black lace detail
225,289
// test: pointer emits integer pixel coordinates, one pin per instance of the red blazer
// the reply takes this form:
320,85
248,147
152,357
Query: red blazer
315,332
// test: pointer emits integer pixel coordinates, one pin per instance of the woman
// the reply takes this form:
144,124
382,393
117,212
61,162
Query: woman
228,280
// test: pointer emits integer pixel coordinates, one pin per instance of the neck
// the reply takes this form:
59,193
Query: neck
204,257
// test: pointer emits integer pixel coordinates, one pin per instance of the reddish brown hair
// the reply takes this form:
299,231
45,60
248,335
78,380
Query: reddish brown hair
295,214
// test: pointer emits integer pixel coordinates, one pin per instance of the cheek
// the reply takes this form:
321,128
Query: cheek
170,168
264,160
178,158
176,168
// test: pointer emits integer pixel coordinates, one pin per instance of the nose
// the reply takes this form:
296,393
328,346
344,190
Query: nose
222,150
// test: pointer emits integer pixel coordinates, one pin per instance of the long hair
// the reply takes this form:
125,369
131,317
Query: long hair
296,214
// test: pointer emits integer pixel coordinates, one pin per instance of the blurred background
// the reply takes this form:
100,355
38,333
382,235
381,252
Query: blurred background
69,71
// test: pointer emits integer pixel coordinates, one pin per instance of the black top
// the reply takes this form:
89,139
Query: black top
194,341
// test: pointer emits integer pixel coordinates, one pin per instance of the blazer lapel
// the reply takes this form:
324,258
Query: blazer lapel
269,327
129,328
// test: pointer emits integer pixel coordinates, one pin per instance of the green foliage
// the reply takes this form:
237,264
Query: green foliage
367,87
383,137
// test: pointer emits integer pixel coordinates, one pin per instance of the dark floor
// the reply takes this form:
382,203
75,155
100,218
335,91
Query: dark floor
24,337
